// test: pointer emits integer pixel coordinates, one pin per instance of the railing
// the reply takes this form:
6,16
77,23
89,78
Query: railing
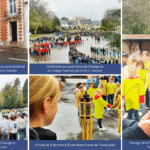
10,14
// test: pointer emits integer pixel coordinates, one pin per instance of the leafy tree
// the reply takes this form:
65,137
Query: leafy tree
25,92
135,20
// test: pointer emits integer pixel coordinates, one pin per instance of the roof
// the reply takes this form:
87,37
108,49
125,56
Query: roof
86,21
64,22
72,22
95,22
136,37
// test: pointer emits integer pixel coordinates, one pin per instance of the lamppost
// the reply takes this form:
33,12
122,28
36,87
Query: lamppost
86,117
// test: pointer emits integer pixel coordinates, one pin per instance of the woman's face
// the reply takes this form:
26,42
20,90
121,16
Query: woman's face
51,111
92,85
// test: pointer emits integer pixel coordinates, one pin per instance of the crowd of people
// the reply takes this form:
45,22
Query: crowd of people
44,48
13,126
77,57
105,92
136,93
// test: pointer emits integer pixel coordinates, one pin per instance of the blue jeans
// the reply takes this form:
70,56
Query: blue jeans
21,134
111,99
136,114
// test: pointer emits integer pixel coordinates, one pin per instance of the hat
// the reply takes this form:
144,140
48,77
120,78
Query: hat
125,54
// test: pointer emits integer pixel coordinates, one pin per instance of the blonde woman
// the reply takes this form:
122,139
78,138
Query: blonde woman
44,95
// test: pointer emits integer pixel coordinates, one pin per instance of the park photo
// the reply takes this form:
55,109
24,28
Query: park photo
73,36
75,108
136,70
14,108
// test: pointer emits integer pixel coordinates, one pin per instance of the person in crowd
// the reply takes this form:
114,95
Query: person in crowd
100,104
133,93
117,103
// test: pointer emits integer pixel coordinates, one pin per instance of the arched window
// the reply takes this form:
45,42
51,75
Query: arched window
12,7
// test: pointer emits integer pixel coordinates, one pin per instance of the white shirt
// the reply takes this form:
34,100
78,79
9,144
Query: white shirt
21,123
7,123
2,126
14,126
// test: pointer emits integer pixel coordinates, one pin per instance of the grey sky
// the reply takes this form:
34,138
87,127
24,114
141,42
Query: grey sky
10,79
93,9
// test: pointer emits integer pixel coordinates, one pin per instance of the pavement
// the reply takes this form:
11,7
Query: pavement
13,56
67,124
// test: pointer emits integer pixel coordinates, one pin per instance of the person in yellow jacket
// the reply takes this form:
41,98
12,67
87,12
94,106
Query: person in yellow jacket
147,85
117,104
111,89
146,61
92,90
133,93
104,83
80,95
100,104
141,73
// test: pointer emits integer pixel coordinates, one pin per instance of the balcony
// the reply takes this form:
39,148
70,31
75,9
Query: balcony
15,14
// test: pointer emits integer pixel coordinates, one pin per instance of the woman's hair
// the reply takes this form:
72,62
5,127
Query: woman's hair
140,63
118,93
41,87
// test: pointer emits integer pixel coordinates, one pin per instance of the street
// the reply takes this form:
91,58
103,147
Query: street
67,125
12,58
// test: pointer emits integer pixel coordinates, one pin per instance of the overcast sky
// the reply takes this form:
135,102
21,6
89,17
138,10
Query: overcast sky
93,9
10,79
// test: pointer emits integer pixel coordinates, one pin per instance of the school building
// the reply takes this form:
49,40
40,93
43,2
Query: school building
130,42
14,16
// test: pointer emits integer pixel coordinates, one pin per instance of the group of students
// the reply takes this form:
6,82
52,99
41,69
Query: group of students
13,127
102,52
136,93
77,57
104,92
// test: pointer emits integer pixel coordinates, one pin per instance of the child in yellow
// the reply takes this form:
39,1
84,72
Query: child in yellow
133,93
142,75
117,103
104,83
147,86
111,89
80,95
92,90
100,104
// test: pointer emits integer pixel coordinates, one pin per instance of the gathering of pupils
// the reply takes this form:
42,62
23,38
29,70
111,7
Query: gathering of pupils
44,103
106,94
136,95
13,126
98,56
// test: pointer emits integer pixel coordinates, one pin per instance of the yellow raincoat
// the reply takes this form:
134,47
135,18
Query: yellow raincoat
147,66
104,82
131,90
147,83
142,75
100,104
92,92
111,88
80,95
117,103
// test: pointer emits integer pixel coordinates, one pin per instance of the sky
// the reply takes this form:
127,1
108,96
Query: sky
90,9
10,79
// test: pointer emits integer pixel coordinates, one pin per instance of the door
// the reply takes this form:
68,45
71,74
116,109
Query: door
14,31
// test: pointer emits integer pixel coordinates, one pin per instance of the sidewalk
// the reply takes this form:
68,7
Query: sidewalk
9,50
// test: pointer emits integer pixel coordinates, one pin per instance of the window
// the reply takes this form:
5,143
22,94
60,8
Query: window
12,7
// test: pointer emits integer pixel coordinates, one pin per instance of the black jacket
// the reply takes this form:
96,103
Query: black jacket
131,131
45,134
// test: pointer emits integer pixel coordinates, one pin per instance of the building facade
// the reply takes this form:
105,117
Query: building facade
14,23
130,42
